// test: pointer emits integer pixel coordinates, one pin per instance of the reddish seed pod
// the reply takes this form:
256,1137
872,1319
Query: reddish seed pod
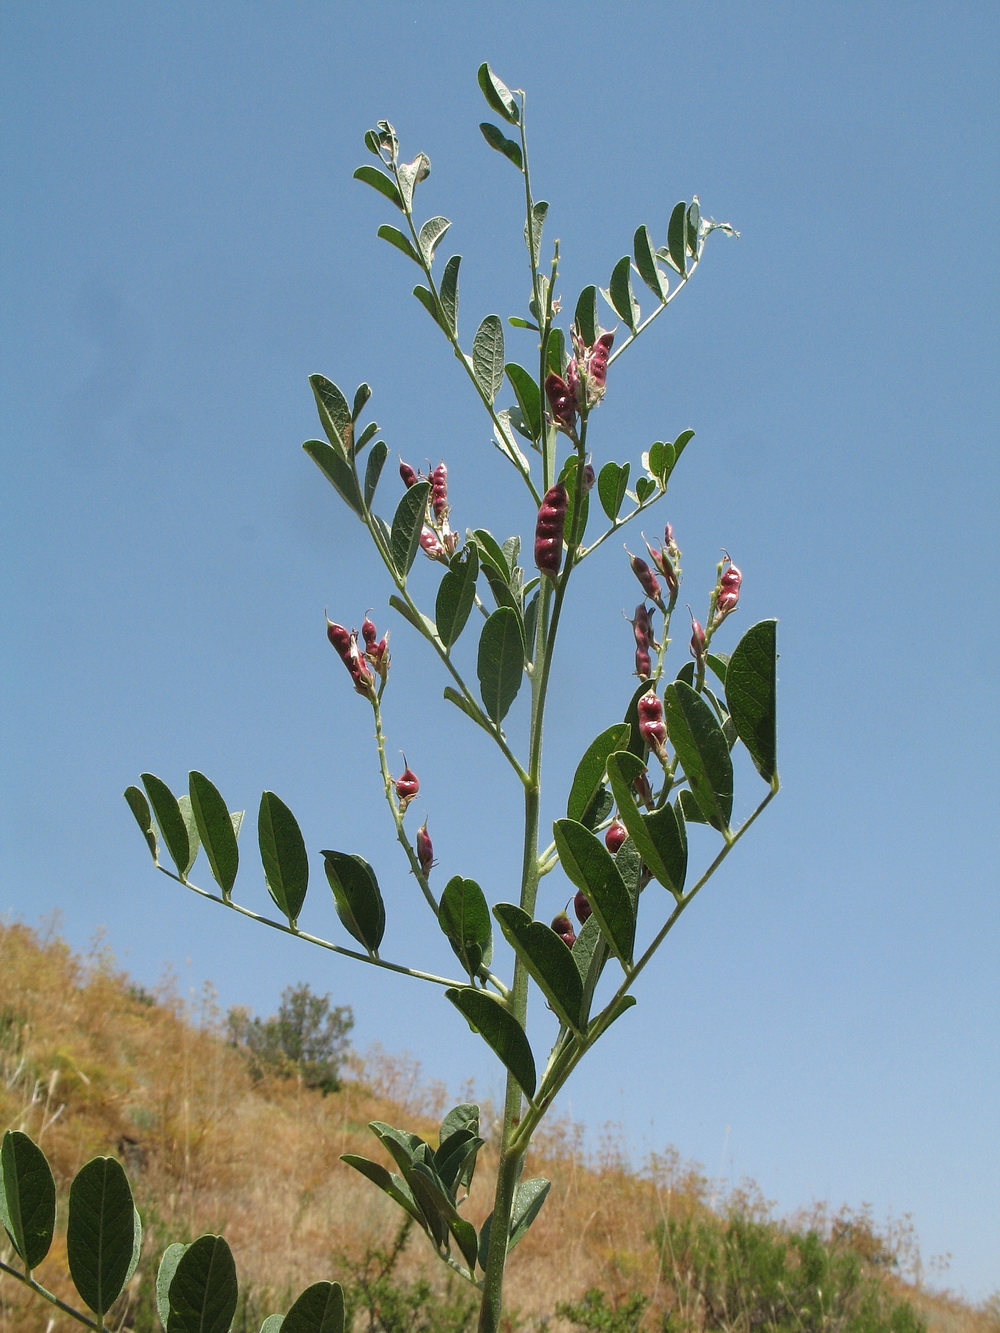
368,632
648,581
643,630
563,927
346,643
430,544
562,402
729,591
439,492
425,848
651,725
589,477
407,786
549,530
697,640
614,837
597,364
582,907
410,478
643,790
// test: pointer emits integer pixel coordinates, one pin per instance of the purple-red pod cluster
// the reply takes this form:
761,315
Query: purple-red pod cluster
376,650
652,728
582,907
407,785
549,529
615,836
563,927
729,590
345,641
665,560
425,848
439,492
562,402
642,628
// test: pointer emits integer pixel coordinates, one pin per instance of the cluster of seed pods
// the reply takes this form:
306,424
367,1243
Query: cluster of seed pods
652,728
437,540
345,641
584,384
728,595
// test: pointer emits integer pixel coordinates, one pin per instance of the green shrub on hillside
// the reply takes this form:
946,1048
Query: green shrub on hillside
306,1038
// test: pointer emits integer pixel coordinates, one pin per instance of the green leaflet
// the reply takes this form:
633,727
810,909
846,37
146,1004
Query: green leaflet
585,316
171,823
381,182
498,95
590,770
751,692
164,1276
215,828
139,806
501,662
702,750
487,357
500,1030
399,239
612,484
645,262
320,1309
338,473
591,867
499,141
334,414
526,392
357,898
101,1232
449,294
283,853
677,238
387,1181
407,523
548,960
27,1197
376,461
457,594
660,837
430,236
620,295
203,1292
464,916
528,1199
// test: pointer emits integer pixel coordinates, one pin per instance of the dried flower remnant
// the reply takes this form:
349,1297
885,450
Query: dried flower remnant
549,528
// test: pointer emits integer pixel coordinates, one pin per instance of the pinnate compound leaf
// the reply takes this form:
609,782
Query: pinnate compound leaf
376,461
585,316
381,182
320,1309
591,768
701,748
501,662
164,1276
500,1030
27,1197
204,1292
170,821
751,692
591,867
487,356
139,806
357,897
457,594
548,960
498,140
430,236
612,484
677,238
283,853
645,262
407,522
338,473
399,239
620,294
215,828
464,917
498,95
100,1232
449,294
660,837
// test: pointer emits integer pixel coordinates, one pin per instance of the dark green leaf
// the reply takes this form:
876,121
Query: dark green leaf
465,1117
501,662
170,822
468,708
498,95
498,140
585,316
399,239
381,182
339,473
417,619
430,236
369,433
526,392
500,1030
491,553
590,770
357,897
361,396
528,1199
591,867
27,1197
719,663
100,1232
283,853
465,918
690,809
598,809
449,293
645,262
487,356
516,322
204,1291
457,1164
612,483
620,293
751,692
657,838
334,414
644,488
387,1181
702,750
426,299
376,461
548,960
457,594
677,238
530,627
590,953
533,238
407,523
555,352
164,1276
139,806
693,221
215,828
320,1309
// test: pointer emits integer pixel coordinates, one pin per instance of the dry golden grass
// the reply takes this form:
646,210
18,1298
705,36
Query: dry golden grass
91,1065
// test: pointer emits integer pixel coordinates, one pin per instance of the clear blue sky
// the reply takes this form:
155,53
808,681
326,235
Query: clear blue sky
184,244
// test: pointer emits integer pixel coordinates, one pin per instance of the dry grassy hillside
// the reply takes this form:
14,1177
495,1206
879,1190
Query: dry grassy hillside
90,1064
